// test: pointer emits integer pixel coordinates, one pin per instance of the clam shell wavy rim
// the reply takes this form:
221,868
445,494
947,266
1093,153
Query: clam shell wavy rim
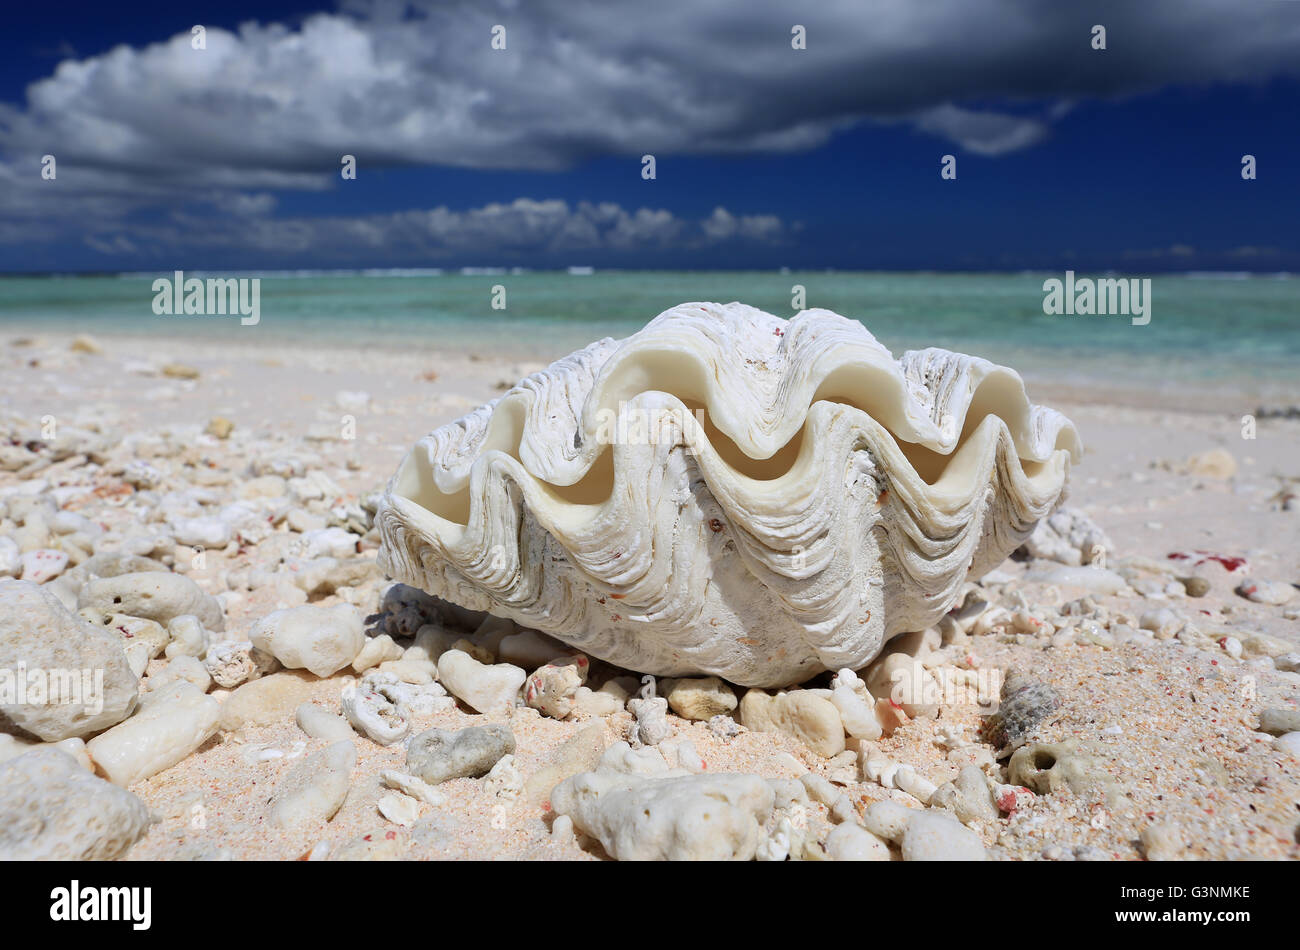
804,498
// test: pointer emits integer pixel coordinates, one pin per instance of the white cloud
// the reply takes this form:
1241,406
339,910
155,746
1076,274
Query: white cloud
275,107
984,133
523,226
722,225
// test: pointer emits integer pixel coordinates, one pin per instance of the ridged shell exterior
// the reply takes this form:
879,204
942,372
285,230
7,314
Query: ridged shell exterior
831,498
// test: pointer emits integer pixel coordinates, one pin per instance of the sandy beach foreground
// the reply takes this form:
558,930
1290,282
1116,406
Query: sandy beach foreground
1137,728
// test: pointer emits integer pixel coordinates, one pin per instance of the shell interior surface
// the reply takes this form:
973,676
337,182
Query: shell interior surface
727,492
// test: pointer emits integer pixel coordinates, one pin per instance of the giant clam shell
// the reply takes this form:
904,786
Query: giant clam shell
803,498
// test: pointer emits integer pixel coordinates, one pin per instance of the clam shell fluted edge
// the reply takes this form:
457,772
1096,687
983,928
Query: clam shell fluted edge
731,493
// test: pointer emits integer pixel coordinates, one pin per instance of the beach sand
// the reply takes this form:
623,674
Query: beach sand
1173,724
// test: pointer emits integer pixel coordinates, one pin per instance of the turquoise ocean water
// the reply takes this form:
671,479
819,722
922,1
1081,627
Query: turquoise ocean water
1203,328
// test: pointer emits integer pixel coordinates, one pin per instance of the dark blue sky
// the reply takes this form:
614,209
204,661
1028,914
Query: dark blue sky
1126,159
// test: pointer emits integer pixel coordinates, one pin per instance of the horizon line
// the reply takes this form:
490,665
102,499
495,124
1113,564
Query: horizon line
587,271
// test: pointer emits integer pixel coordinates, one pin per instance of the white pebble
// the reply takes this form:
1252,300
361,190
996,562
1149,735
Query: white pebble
1266,592
850,842
888,820
399,809
562,828
413,786
174,723
934,837
321,724
487,689
42,565
322,640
